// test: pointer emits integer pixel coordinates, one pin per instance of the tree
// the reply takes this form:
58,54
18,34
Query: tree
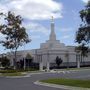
5,62
83,50
14,32
83,33
58,61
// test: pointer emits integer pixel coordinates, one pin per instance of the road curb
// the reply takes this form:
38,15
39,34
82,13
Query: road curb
60,86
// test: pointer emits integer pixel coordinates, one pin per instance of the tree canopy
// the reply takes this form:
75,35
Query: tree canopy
14,32
83,33
83,49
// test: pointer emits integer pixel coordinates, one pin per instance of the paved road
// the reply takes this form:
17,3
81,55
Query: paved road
27,83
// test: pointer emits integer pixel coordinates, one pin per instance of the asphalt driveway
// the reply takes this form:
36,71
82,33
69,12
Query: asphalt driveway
27,83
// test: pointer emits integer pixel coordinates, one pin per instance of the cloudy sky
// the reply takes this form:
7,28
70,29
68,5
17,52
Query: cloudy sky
37,15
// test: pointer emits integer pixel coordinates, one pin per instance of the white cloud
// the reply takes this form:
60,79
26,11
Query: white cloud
33,37
66,37
66,29
85,1
35,9
3,8
36,27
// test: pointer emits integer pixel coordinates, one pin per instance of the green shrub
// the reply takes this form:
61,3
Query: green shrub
8,71
5,62
18,70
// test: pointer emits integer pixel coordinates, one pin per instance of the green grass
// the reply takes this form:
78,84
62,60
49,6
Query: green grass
81,68
18,70
69,82
8,71
31,69
72,69
12,74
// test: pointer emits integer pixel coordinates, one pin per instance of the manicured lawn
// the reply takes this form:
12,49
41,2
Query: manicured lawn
69,82
12,74
16,72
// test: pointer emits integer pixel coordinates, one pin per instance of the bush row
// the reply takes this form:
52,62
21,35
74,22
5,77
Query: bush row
20,70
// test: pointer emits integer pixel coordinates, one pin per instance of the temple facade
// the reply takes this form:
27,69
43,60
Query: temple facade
52,48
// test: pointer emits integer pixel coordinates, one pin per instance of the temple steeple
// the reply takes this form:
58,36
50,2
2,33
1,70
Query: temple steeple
52,34
52,43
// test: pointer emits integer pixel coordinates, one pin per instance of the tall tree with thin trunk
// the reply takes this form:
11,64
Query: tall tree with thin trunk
83,33
15,34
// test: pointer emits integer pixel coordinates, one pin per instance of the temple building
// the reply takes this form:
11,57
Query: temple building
52,48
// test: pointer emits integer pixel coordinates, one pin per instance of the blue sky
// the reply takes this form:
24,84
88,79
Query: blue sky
37,15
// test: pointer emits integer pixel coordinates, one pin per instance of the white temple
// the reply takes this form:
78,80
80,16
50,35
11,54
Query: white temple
48,52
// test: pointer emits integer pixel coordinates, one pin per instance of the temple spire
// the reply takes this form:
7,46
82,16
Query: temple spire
52,34
52,19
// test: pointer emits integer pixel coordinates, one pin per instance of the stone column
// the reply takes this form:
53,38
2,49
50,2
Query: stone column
41,66
78,64
40,63
78,60
48,66
67,58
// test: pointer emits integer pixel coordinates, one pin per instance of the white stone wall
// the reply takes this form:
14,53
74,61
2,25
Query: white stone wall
49,54
72,57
